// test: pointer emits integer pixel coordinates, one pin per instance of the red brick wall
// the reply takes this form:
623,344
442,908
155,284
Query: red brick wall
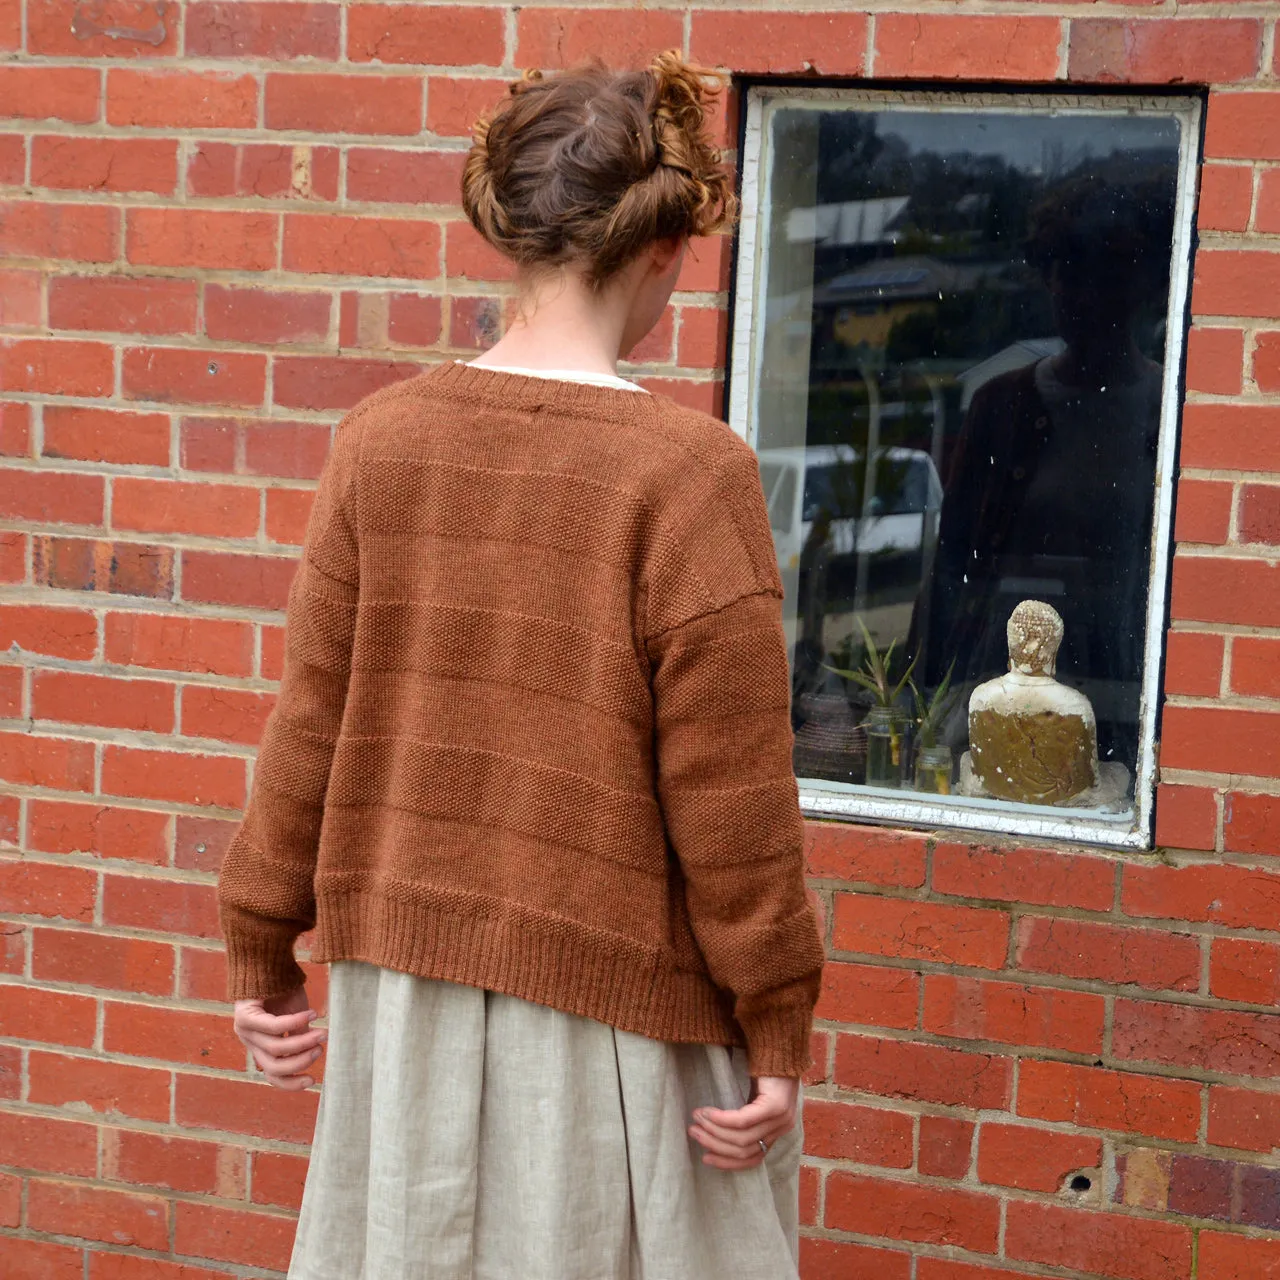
224,222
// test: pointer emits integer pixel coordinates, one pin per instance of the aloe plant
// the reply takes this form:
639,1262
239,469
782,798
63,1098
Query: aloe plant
874,675
930,712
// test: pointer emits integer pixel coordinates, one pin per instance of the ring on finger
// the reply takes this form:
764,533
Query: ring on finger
764,1146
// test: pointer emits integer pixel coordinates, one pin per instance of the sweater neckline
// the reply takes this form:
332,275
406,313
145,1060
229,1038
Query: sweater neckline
510,390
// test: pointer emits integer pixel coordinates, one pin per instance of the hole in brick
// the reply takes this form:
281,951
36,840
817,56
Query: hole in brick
1081,1182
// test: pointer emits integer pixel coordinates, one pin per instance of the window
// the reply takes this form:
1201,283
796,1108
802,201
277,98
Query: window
957,337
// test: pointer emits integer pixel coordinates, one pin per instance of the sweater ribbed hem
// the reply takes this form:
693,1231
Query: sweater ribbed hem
615,982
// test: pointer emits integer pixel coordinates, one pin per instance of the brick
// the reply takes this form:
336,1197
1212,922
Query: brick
869,995
57,1018
656,347
202,238
104,164
15,428
233,1235
20,294
1222,741
1200,1188
1095,1098
11,685
114,29
230,715
56,367
123,304
1105,1244
199,843
1245,969
185,376
1226,198
1229,1041
1243,126
704,334
1237,1257
865,855
216,646
177,1164
842,1131
908,1211
475,324
278,1178
176,777
1186,817
160,906
1260,514
292,450
11,1055
244,1106
120,568
13,159
329,104
1031,1159
106,435
272,644
297,172
173,1035
181,99
203,974
13,563
48,1145
1243,1118
1041,876
1250,822
946,47
413,320
333,245
46,761
60,633
168,506
257,582
555,38
1236,437
1235,282
776,43
50,93
455,104
1010,1013
1236,897
287,513
36,1260
327,382
439,35
404,177
1159,51
266,316
921,931
42,889
1203,512
91,1213
469,257
107,1088
100,960
130,1266
832,1260
1151,958
946,1146
210,444
1217,589
76,232
1193,663
1266,349
1267,219
10,1200
927,1073
75,697
274,31
106,831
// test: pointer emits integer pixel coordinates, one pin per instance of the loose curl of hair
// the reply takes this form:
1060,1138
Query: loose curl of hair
590,167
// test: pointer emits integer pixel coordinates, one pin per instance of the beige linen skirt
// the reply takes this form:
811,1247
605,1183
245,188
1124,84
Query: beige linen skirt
465,1135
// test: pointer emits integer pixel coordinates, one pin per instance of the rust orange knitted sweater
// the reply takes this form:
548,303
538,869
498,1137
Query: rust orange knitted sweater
533,731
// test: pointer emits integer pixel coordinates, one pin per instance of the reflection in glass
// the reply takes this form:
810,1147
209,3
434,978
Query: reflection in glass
956,405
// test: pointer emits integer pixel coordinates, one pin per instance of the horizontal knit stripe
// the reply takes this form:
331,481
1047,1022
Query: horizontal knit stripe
623,986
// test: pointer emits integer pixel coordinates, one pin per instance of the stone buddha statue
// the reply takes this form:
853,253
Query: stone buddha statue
1032,739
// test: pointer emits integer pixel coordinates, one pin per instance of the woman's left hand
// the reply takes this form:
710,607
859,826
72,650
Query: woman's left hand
732,1139
279,1035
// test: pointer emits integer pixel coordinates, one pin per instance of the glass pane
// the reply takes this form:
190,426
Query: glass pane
957,406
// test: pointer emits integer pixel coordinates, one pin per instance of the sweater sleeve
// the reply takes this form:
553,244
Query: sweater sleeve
722,695
266,891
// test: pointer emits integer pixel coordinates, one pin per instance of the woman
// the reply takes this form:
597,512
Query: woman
529,774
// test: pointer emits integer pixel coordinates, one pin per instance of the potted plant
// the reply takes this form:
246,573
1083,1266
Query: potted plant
933,761
884,722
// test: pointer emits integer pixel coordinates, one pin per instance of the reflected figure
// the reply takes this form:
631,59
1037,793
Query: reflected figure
1051,485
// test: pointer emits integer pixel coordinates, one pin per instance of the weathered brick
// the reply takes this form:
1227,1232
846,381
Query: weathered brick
1010,1013
1108,953
780,42
868,1135
1104,1244
946,1146
1032,1159
865,855
968,47
907,1211
436,35
921,930
928,1073
1250,822
868,995
278,31
1164,51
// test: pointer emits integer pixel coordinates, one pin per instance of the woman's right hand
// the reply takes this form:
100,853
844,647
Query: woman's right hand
731,1139
277,1032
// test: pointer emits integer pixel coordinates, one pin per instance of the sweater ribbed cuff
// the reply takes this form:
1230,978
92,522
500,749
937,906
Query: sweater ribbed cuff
261,966
778,1041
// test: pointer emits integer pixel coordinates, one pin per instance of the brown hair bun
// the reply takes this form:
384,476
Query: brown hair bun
591,166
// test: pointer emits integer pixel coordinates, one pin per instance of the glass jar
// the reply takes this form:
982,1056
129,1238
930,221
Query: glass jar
883,727
933,770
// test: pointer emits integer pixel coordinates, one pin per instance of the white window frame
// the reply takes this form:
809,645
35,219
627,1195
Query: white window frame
833,799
